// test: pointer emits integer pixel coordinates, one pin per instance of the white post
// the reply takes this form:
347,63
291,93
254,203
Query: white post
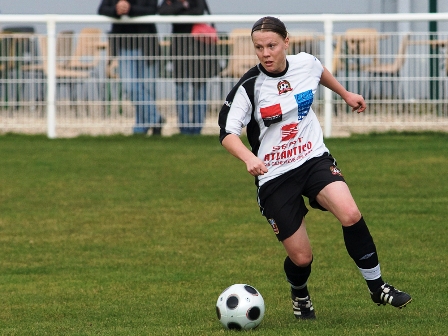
51,77
404,6
328,60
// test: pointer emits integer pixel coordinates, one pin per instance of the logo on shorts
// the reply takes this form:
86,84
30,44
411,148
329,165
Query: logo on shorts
283,86
274,225
335,171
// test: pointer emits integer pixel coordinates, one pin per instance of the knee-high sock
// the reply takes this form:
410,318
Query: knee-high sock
297,277
362,250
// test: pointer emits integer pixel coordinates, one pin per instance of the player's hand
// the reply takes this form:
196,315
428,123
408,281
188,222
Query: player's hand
356,102
256,167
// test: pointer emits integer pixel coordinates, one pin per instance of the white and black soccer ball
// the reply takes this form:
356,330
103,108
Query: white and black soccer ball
240,307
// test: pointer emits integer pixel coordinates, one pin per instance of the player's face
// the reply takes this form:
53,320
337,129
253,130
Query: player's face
271,49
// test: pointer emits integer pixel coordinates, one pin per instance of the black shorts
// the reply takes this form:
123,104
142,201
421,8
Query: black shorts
281,200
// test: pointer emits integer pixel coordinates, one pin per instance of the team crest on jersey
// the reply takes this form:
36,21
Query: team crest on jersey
283,86
274,225
335,171
290,131
271,114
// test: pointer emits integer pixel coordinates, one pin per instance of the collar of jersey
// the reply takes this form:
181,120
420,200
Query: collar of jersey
270,74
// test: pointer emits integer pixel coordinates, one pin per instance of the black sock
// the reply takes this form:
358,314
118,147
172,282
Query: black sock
362,250
297,277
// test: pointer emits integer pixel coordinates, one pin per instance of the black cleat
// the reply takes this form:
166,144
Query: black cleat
387,294
303,308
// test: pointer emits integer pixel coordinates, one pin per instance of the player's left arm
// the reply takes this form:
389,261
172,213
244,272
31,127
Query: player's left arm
354,100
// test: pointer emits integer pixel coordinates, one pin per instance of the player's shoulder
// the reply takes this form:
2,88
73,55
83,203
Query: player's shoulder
249,77
302,57
305,61
251,73
245,85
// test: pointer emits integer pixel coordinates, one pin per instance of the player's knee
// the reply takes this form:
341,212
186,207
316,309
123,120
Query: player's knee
302,259
351,216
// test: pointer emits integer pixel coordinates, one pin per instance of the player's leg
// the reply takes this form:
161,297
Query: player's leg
336,198
297,267
298,247
284,208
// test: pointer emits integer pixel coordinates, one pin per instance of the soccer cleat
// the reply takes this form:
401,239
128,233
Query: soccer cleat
387,294
303,308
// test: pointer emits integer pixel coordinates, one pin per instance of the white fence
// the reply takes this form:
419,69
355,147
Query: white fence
66,83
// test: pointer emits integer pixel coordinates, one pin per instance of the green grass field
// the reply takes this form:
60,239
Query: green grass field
138,236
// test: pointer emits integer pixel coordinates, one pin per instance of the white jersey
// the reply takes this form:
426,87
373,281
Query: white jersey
282,129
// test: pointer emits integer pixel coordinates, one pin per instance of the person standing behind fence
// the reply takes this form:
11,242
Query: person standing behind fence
136,46
190,67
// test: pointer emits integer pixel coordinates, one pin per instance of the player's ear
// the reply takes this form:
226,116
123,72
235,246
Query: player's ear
286,42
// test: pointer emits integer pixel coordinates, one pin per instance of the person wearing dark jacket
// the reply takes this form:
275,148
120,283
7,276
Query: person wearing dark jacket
136,46
192,65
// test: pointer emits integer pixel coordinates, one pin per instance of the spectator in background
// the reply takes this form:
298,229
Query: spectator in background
190,70
136,46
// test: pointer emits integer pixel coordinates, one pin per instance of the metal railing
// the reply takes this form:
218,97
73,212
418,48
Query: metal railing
47,87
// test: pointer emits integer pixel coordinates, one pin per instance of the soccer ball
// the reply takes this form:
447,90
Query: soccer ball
239,307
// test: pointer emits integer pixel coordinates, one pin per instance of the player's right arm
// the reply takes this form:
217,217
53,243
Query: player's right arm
235,146
235,114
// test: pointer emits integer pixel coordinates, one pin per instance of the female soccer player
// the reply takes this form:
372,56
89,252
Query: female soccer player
288,159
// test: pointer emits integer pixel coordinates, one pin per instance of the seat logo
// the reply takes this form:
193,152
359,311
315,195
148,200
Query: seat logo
289,131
